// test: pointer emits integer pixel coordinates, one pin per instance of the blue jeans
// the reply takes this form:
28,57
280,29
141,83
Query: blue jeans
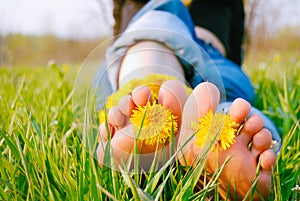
169,22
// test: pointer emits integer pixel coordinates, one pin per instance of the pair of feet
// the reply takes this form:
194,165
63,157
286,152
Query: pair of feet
252,143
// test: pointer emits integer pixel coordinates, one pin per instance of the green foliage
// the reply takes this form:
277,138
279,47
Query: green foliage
43,156
23,50
277,81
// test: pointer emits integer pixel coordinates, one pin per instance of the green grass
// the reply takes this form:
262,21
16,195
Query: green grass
46,155
17,49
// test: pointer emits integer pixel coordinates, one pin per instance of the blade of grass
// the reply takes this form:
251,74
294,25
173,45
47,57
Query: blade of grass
162,186
25,166
131,183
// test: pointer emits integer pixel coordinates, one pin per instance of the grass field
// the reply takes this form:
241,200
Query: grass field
44,157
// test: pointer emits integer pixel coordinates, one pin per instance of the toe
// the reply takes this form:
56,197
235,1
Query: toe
115,117
204,97
261,141
126,105
104,132
253,125
239,110
263,185
172,95
100,153
122,145
268,160
123,140
141,95
207,97
103,141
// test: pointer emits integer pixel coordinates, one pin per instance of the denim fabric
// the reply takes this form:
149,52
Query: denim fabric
168,22
236,82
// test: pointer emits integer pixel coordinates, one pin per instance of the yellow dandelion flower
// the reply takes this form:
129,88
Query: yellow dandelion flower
213,124
153,123
153,81
277,58
65,68
102,116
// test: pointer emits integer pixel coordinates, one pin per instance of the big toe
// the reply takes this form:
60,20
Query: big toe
205,97
172,95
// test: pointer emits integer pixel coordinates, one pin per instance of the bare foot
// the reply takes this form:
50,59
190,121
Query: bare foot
172,95
238,175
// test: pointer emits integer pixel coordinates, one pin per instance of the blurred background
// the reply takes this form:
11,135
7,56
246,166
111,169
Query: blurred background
33,32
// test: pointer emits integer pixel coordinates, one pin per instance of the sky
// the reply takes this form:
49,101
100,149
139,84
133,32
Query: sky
81,19
63,18
278,14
